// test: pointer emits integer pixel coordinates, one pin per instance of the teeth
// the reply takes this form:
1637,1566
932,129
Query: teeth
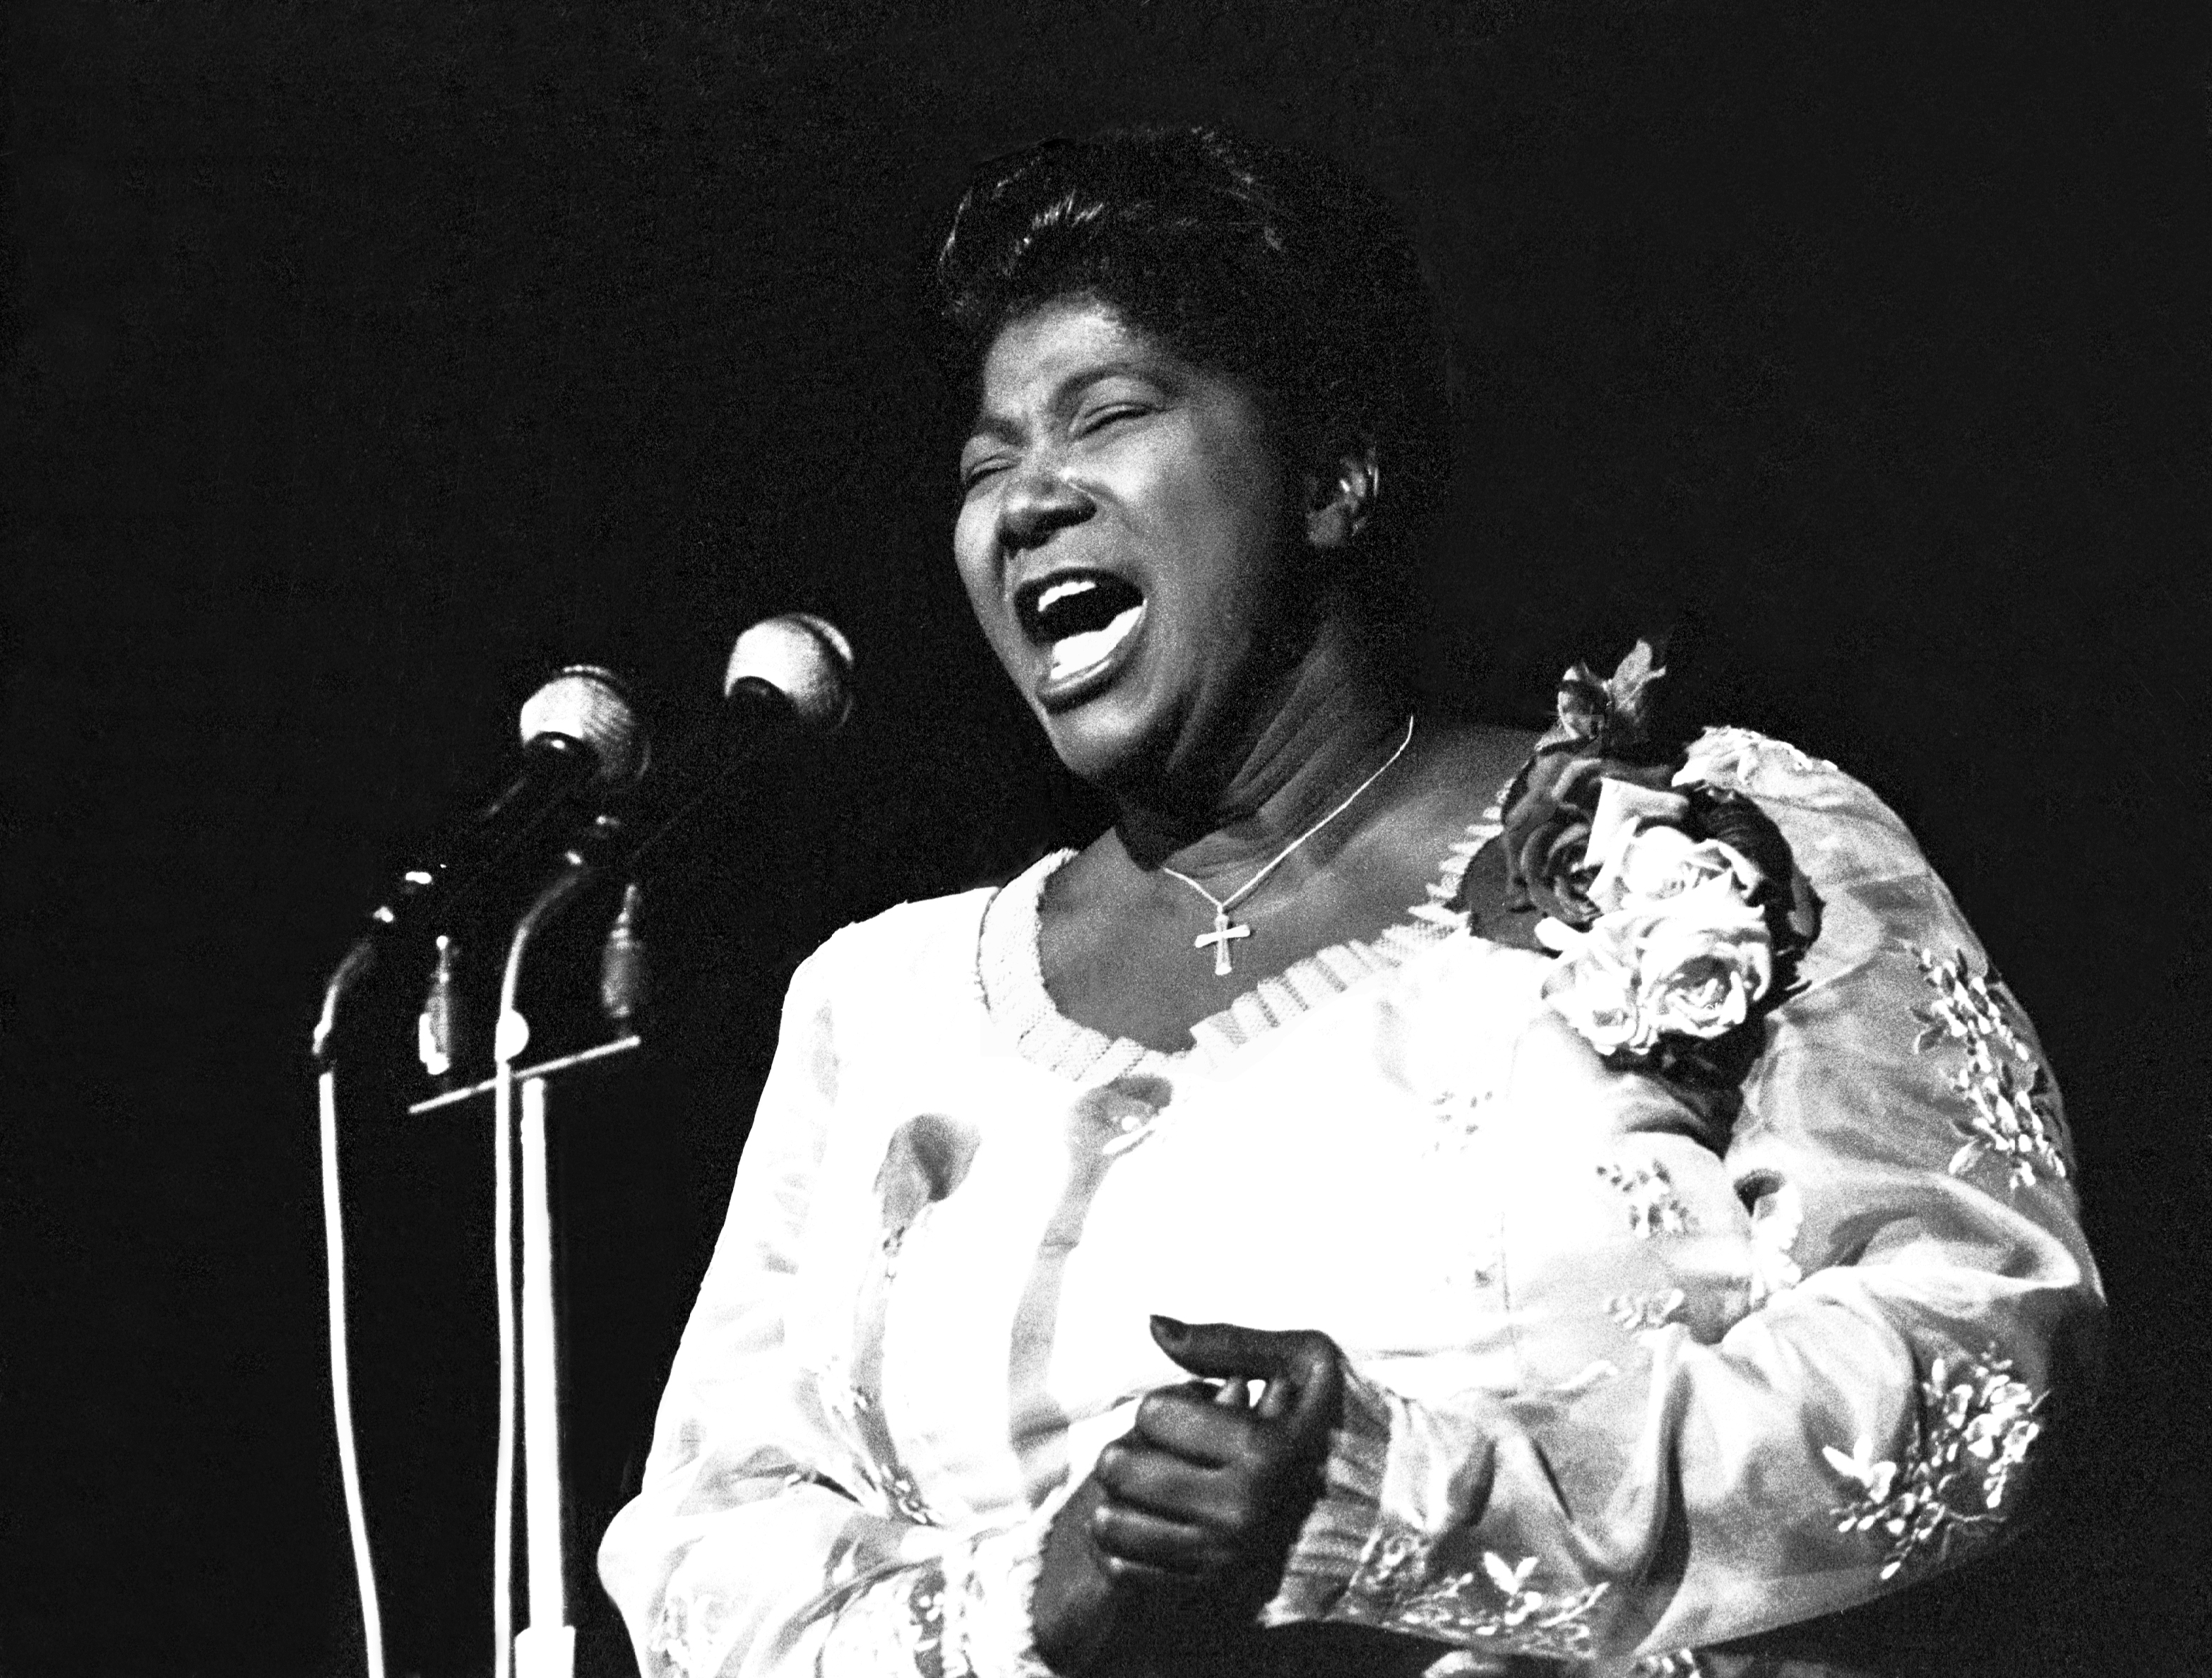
1062,590
1078,653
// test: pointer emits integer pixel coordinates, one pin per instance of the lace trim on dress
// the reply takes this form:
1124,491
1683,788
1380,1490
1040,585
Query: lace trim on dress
1014,995
1012,973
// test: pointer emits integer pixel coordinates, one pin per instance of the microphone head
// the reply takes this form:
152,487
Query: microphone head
805,659
587,704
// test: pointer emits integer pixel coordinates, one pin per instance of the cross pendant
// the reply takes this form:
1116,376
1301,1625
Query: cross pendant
1219,938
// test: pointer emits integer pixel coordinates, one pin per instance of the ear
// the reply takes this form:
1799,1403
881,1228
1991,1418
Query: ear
1341,491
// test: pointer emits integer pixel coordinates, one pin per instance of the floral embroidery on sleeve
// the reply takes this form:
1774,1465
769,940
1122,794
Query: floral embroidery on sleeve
874,1464
988,1590
1775,1224
2005,1088
906,1498
1654,1207
897,1627
1398,1585
1460,1115
688,1634
1640,1312
1971,1436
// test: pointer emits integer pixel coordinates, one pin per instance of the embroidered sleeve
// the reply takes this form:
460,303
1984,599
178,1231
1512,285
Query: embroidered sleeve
1919,1301
766,1541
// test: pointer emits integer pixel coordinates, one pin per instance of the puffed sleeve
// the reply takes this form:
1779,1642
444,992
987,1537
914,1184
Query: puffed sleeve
763,1541
1921,1305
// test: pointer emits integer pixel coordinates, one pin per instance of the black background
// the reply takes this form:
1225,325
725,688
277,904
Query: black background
375,358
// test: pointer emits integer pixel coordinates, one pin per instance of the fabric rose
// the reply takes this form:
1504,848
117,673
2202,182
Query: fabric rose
1706,963
1674,907
1601,736
1778,889
1692,966
1645,855
1597,985
1653,864
1547,835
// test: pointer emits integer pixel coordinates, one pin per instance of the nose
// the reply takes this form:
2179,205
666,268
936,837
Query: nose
1040,500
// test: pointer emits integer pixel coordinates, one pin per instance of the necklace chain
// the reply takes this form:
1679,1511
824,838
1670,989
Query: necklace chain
1224,929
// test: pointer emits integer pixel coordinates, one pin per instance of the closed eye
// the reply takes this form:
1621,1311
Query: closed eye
1099,419
975,473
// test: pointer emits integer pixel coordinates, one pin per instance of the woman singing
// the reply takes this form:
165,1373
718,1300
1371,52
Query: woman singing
1407,1196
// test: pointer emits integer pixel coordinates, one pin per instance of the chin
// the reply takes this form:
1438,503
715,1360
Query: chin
1105,746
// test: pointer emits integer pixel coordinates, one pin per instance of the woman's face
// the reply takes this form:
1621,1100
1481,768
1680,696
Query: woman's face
1127,530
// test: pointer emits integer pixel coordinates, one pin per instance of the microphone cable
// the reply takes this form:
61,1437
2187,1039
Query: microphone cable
356,963
364,1570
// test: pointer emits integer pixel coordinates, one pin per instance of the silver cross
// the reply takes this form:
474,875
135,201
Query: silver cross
1219,938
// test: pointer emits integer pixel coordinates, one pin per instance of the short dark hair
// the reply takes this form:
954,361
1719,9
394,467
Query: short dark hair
1273,265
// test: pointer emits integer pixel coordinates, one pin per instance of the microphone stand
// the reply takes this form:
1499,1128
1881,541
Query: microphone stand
546,1648
578,729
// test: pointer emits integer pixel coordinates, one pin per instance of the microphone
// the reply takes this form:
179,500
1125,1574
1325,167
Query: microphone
788,677
580,735
803,661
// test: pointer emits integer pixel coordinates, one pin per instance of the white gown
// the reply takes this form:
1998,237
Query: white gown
1617,1395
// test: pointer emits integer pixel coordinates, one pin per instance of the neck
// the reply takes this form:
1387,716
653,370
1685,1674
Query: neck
1234,808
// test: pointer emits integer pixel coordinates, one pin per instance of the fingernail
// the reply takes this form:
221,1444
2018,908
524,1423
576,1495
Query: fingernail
1169,1327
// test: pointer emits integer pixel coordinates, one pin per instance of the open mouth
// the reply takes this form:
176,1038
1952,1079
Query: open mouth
1082,617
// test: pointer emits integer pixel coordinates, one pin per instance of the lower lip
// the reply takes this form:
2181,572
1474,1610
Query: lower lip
1061,693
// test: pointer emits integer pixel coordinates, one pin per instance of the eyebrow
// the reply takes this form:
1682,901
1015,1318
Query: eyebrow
988,426
985,424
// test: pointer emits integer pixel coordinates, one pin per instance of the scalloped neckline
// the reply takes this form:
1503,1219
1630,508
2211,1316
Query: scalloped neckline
1009,970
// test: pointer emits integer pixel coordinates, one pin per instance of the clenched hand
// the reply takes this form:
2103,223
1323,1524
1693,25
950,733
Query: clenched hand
1189,1516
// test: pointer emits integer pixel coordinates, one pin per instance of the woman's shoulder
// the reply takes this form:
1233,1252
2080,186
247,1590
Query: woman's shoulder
1760,766
1461,785
1477,757
1839,828
916,938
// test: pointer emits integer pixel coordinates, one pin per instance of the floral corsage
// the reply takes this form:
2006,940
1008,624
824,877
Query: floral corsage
1674,908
